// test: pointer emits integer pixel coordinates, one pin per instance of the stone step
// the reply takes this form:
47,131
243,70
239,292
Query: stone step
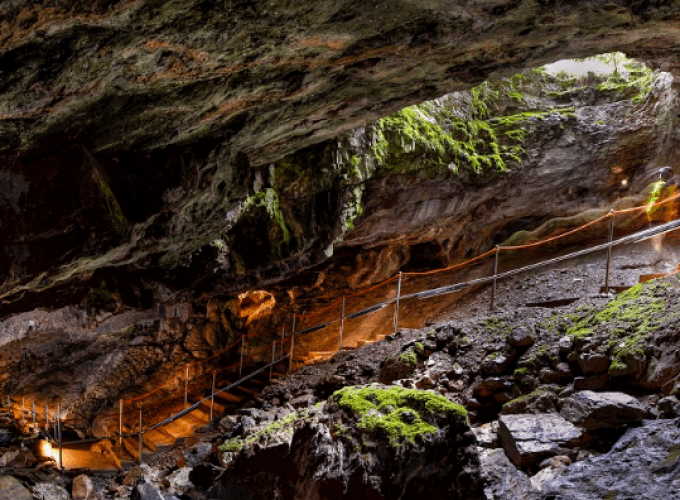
177,430
132,447
228,397
363,343
160,438
148,442
247,390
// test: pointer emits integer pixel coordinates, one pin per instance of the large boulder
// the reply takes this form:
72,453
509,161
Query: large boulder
642,465
604,410
11,489
531,438
371,442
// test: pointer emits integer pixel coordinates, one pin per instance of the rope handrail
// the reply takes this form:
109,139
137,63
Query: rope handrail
631,238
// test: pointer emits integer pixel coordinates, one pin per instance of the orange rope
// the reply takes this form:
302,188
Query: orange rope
455,266
559,236
649,205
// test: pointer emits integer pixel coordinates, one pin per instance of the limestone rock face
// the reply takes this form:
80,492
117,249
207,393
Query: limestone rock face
531,438
605,410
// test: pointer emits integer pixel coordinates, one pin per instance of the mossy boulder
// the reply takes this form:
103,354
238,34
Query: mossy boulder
399,367
395,414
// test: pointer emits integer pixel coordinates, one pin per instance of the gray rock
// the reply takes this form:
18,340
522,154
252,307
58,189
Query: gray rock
502,480
545,476
565,344
487,435
82,488
605,410
11,489
593,363
642,465
179,482
590,383
497,363
146,490
669,407
531,438
7,436
50,491
199,453
521,337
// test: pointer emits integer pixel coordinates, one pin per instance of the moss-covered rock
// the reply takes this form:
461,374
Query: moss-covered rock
394,413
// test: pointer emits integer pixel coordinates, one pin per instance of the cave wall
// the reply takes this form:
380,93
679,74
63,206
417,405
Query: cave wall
175,105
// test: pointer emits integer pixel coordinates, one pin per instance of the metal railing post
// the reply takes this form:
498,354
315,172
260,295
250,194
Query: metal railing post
243,346
283,340
141,435
23,409
120,424
186,388
34,422
495,273
212,396
342,323
61,456
396,305
609,251
47,418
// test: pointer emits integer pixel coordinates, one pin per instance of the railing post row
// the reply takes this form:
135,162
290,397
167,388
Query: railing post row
212,395
495,273
609,252
141,434
342,323
61,456
396,305
120,424
186,388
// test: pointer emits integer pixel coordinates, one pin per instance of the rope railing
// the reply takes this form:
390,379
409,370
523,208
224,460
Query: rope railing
58,420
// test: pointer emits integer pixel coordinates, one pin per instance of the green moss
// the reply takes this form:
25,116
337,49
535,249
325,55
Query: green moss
409,357
673,455
99,298
269,200
382,411
520,372
420,346
118,219
628,319
235,445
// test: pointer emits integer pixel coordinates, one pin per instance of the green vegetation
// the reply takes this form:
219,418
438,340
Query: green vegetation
628,320
520,372
481,141
235,445
409,357
99,298
396,413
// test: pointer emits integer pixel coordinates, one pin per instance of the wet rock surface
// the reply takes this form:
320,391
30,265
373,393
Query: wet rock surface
643,464
531,438
603,410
